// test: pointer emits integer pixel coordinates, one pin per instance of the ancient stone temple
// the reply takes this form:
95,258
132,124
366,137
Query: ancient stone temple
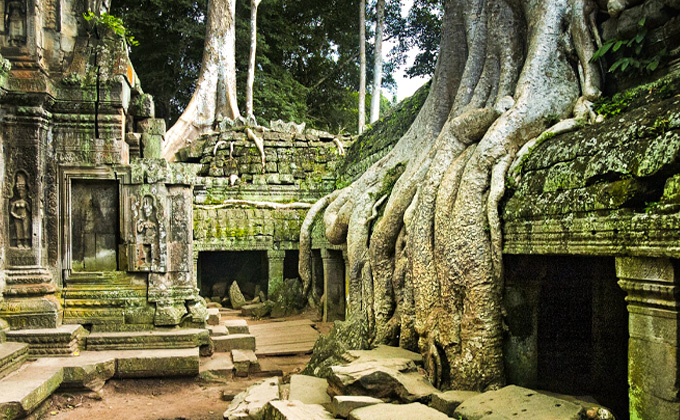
96,229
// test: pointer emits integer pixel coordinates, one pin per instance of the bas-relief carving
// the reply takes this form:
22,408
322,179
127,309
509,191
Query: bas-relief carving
146,231
15,22
20,211
149,234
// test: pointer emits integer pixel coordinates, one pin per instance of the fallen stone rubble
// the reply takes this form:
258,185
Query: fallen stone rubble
388,383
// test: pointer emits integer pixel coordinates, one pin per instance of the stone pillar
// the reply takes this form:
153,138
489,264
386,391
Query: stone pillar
333,285
653,375
275,258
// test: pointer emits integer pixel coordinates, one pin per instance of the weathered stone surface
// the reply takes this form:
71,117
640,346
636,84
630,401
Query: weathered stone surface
514,402
342,405
245,362
382,353
391,379
309,389
217,365
295,410
157,363
397,412
154,339
12,355
234,341
250,403
89,371
66,340
257,310
25,390
216,330
236,297
213,316
448,401
236,326
287,298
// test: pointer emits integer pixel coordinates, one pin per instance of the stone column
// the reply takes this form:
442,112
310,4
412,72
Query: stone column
333,285
275,257
653,375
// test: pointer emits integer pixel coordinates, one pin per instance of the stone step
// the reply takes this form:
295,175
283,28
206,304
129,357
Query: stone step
217,365
295,410
12,356
234,341
245,362
24,390
65,340
143,340
236,326
217,330
214,316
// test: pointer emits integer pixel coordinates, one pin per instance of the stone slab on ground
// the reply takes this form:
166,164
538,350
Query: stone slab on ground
284,338
88,371
218,364
250,403
245,362
342,405
157,363
415,411
213,316
12,356
217,330
295,410
24,390
256,310
514,402
391,379
236,326
176,338
65,340
448,401
309,389
234,341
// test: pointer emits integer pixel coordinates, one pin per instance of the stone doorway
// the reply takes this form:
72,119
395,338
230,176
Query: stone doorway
218,269
568,327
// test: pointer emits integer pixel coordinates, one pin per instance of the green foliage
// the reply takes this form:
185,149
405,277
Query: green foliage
630,52
113,23
608,107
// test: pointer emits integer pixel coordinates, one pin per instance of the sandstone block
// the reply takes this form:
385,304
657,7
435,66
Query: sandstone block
234,341
309,389
342,405
415,411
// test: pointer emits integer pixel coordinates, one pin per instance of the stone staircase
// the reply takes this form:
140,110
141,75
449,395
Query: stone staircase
233,337
35,363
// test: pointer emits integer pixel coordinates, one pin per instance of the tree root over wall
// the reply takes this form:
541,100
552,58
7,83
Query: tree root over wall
427,273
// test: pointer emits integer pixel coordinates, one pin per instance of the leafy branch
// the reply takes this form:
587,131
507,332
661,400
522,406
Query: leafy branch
632,52
113,23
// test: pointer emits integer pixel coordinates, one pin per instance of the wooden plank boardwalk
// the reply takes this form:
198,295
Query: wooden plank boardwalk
284,337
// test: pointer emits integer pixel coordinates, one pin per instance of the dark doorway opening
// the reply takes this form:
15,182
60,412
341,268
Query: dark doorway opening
217,270
290,264
580,326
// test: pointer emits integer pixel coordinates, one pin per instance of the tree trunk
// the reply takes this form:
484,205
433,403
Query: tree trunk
215,96
428,272
378,63
251,63
362,66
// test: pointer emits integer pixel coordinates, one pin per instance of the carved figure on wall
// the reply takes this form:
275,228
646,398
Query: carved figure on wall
15,22
147,233
20,212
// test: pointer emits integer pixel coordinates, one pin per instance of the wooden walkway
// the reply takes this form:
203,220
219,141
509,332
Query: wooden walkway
284,337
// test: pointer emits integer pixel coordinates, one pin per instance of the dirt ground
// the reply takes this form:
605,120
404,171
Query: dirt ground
162,399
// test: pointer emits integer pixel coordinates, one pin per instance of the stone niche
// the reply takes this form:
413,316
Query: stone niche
568,327
94,225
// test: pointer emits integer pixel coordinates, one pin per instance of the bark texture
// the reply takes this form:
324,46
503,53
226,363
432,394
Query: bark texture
362,66
251,62
427,273
378,61
215,96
